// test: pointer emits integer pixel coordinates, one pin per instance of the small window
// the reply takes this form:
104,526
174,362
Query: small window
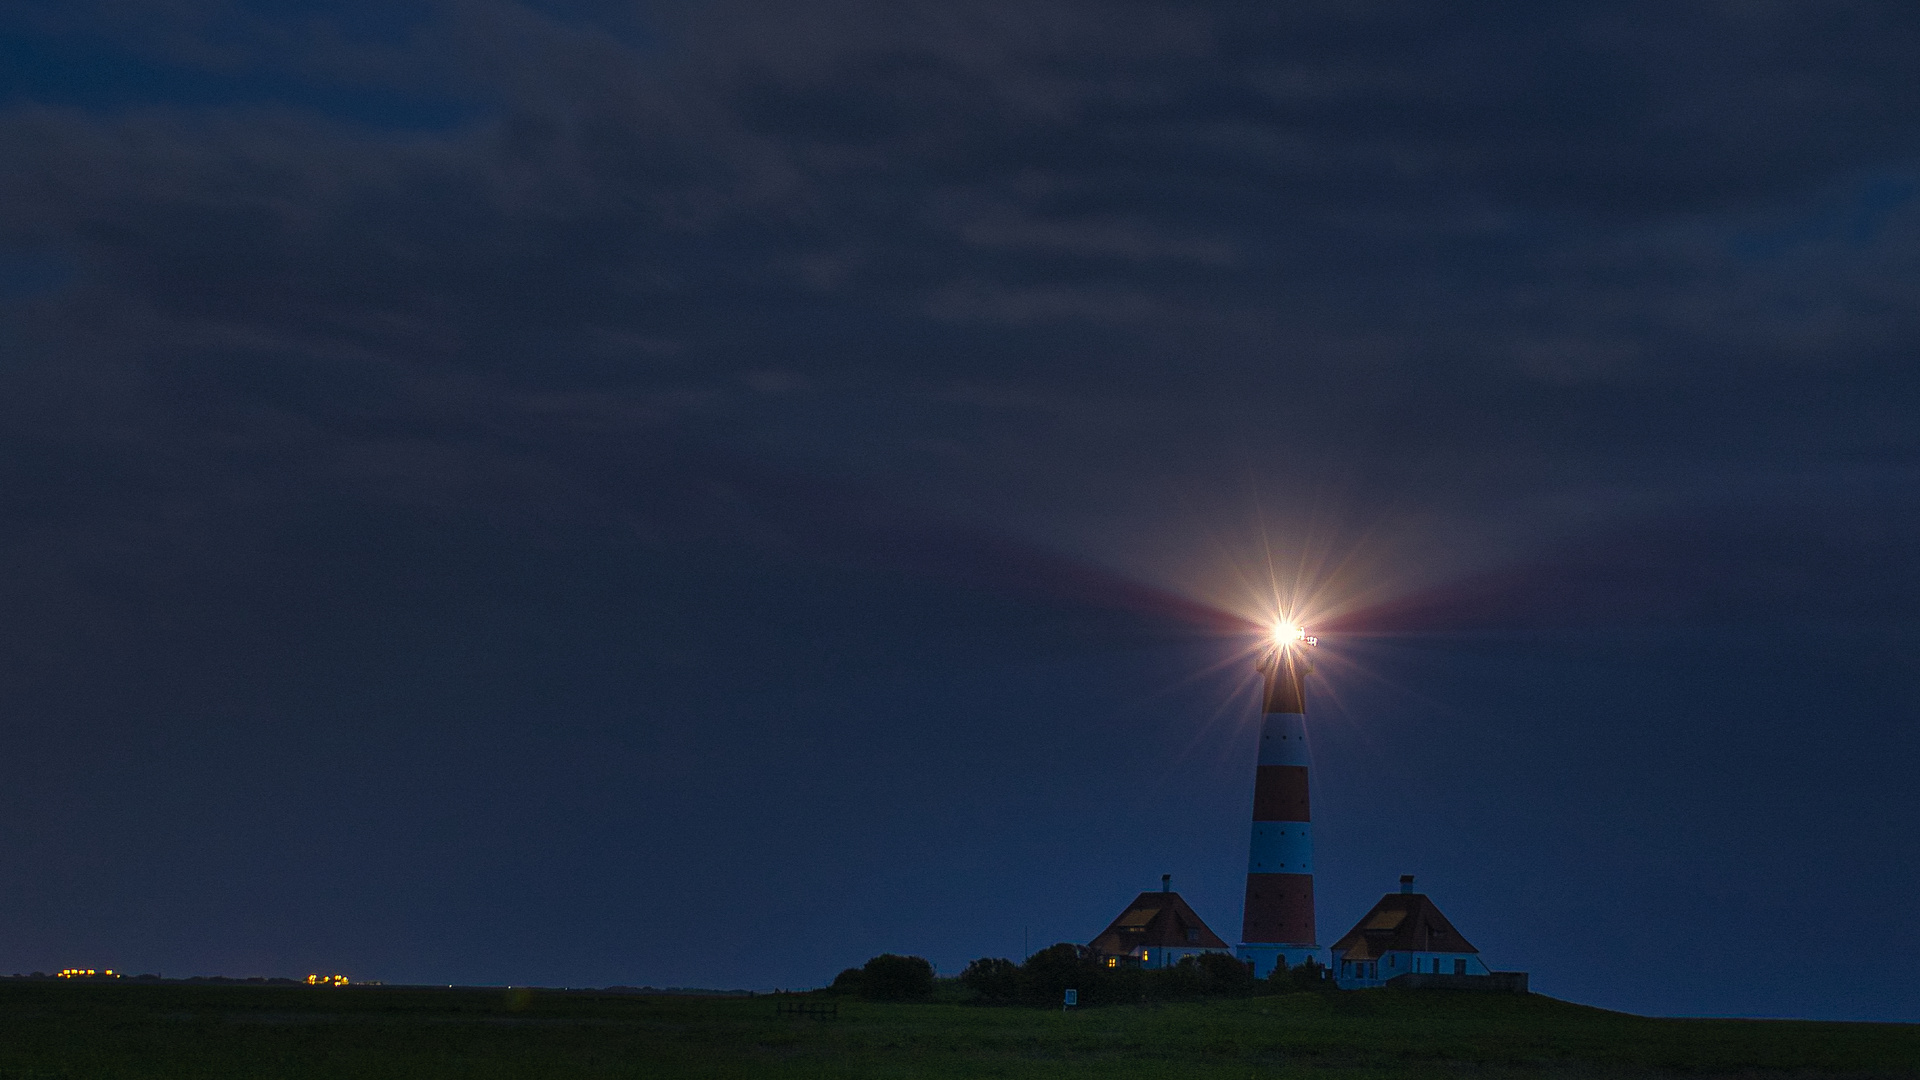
1193,934
1459,967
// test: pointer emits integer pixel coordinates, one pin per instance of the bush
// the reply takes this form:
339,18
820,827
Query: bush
995,981
896,978
1223,975
1177,983
1309,975
1050,973
1046,976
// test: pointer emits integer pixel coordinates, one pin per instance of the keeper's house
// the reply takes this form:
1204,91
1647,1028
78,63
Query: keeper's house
1157,930
1404,934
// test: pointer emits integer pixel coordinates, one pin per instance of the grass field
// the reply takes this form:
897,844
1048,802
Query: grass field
52,1030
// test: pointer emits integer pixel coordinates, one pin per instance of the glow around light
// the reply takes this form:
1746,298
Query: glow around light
1286,634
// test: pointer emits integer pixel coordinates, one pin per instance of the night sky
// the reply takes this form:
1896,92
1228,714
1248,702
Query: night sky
700,494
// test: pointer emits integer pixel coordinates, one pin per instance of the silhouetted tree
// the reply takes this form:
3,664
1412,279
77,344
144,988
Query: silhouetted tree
997,981
896,978
1052,971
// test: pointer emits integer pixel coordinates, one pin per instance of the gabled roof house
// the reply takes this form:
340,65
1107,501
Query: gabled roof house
1157,930
1404,934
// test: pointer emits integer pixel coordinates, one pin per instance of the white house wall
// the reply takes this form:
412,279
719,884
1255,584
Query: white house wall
1377,972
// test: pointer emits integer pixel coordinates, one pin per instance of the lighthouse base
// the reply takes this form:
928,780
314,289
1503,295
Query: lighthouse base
1265,956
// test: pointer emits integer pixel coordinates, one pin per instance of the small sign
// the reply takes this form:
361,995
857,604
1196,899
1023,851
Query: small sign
1073,998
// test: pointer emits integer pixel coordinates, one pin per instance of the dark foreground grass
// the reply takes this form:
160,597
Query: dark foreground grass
50,1030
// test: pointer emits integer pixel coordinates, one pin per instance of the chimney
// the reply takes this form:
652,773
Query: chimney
1406,883
1166,882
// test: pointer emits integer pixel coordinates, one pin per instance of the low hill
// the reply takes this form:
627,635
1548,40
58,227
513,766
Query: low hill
216,1032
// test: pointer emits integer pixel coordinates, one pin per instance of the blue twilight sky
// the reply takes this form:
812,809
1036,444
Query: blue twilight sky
700,494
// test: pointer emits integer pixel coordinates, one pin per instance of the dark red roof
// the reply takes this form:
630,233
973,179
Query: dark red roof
1401,922
1156,920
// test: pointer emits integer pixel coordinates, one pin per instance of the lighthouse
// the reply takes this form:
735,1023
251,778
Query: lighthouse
1277,927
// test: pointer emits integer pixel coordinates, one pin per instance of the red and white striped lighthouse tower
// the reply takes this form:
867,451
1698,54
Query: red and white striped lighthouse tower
1278,924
